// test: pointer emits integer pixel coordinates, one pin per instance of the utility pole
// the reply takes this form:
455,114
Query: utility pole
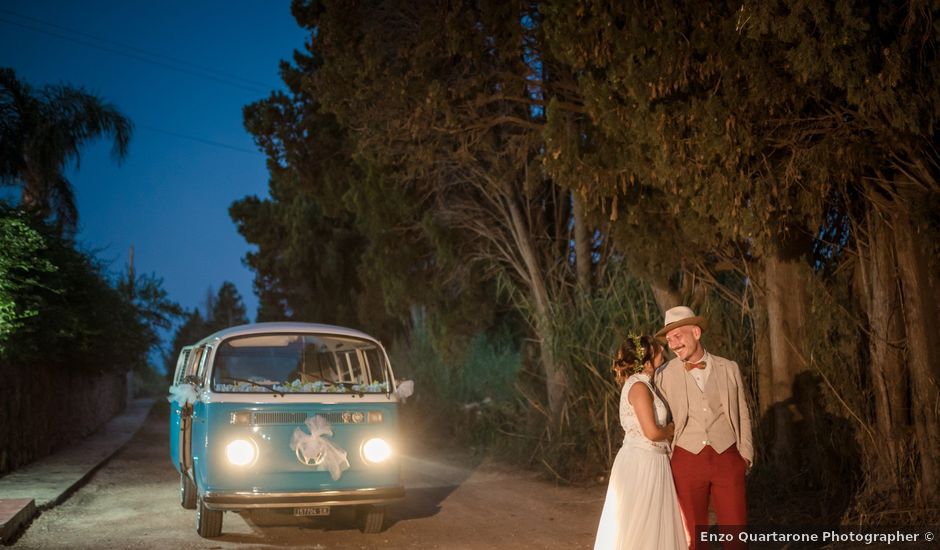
131,276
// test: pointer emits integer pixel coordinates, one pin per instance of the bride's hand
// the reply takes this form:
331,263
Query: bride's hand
670,430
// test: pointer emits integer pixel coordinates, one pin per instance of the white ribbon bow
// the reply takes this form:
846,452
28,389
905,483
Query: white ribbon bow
182,394
405,389
315,448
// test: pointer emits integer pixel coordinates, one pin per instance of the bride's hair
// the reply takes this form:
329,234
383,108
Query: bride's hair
632,355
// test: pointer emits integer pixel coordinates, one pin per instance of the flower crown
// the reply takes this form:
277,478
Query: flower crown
640,352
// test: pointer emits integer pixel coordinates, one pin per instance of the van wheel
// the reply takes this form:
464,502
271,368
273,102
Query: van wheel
371,518
187,492
208,522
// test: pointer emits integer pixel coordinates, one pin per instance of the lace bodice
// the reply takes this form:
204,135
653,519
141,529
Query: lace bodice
633,434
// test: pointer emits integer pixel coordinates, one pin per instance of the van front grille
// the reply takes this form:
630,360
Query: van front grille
268,418
261,418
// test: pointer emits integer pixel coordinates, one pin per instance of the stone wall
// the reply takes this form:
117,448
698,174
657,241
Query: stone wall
43,408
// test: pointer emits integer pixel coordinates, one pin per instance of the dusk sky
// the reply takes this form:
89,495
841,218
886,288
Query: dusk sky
181,71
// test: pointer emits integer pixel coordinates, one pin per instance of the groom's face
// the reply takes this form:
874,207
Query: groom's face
684,341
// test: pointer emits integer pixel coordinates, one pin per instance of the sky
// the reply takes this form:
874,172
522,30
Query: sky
181,71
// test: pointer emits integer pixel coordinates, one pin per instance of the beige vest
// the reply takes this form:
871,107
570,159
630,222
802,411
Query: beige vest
708,424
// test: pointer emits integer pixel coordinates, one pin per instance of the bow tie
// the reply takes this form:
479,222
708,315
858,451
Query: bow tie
690,366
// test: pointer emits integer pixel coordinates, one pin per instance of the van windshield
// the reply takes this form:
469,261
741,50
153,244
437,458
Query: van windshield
299,363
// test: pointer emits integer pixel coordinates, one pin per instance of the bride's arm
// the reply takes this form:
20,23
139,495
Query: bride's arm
642,401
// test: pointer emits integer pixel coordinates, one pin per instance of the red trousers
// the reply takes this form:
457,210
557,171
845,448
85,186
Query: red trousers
719,476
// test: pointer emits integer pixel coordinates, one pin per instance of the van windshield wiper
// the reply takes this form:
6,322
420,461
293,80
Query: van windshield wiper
259,384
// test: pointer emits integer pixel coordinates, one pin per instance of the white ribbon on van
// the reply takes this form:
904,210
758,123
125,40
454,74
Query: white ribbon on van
315,448
182,394
405,389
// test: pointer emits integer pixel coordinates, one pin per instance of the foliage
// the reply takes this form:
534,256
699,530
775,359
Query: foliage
145,292
445,104
343,238
470,395
63,300
572,167
54,296
20,259
226,310
767,125
305,263
308,248
587,334
42,133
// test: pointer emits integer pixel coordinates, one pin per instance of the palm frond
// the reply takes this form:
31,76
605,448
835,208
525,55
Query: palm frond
42,133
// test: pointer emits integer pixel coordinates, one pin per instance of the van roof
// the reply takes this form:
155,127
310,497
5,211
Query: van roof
268,328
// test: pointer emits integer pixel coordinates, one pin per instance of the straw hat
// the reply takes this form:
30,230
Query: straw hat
681,316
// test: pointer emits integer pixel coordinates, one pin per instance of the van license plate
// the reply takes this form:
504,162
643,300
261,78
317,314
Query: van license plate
315,511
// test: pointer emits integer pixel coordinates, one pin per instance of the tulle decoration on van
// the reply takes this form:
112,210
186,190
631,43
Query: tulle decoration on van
298,386
182,394
405,389
314,449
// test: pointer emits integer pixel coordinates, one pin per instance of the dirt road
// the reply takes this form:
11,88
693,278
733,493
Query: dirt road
453,501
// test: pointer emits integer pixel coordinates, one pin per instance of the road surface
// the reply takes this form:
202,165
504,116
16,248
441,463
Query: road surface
453,501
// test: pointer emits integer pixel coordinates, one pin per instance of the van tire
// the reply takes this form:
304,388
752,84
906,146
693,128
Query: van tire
371,518
187,492
208,522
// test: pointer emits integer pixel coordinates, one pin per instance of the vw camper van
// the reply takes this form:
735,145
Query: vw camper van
291,416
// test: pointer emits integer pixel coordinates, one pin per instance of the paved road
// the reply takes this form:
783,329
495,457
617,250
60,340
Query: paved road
453,502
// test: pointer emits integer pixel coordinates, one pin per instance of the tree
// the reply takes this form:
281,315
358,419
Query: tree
153,311
54,296
21,260
338,240
228,310
448,101
765,124
42,132
762,161
193,329
309,249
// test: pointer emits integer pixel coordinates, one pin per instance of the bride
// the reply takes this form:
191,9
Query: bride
641,510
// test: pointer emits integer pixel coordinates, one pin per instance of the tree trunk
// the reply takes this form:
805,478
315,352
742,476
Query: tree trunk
921,327
666,297
555,379
763,361
582,245
885,320
31,195
786,313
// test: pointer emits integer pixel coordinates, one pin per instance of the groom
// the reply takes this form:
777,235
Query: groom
712,448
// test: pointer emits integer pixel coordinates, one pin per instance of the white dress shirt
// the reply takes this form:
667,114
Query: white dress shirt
701,375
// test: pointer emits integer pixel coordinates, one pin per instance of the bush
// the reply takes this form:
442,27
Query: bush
56,297
21,261
469,397
492,393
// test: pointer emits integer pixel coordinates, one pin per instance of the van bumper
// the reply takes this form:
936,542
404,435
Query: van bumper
245,500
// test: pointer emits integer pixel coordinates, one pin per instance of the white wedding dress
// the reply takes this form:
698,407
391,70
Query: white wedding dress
641,511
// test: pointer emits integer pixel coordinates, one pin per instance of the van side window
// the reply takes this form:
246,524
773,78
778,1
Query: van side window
373,365
181,363
201,364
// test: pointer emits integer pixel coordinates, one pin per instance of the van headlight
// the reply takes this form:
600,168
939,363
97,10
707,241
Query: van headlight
376,450
241,452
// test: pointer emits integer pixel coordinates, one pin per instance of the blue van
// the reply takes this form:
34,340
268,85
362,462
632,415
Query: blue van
286,416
